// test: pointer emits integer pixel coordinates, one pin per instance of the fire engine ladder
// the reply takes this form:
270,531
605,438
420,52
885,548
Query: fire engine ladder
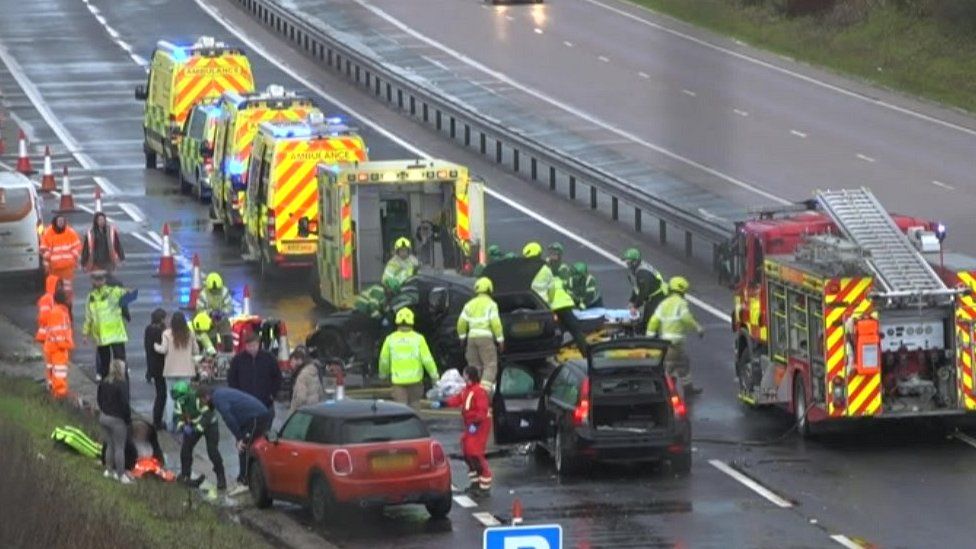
899,267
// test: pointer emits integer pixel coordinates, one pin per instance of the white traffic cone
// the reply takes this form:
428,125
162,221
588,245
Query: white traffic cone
47,177
340,383
67,204
283,351
23,161
167,265
517,512
196,283
98,199
246,307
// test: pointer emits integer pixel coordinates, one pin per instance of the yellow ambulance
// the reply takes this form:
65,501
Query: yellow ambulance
239,120
179,77
282,188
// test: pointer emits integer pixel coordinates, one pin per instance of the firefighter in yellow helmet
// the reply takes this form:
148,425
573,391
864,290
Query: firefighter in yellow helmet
552,290
672,320
480,329
404,358
403,264
202,326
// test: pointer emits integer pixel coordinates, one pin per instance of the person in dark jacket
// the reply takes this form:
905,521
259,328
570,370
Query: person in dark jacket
115,418
246,417
154,363
102,248
255,371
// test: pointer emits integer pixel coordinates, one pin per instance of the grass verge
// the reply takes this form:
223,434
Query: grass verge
51,497
921,54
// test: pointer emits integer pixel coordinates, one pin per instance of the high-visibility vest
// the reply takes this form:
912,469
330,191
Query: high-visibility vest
479,318
103,317
543,282
559,298
216,301
371,301
113,254
60,250
60,337
401,269
44,305
405,356
672,319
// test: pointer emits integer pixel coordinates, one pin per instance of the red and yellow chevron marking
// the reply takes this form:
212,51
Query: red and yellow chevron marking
863,391
463,220
345,215
203,77
246,126
965,317
295,192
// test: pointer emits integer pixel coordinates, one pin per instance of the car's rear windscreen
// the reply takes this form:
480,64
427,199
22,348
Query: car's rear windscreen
383,429
627,358
15,204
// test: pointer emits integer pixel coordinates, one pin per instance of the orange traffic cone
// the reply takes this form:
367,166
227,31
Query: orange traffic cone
196,283
517,512
340,383
246,308
283,351
167,265
98,199
67,204
47,178
23,161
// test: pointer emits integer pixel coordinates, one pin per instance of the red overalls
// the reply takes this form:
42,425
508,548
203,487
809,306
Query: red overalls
474,404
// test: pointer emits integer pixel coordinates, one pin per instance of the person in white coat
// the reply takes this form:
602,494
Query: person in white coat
179,346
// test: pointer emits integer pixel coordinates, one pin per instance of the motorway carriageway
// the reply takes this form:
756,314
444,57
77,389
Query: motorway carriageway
69,68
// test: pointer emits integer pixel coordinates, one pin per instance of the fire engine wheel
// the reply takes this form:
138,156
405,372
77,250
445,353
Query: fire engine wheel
321,503
329,342
258,487
800,407
150,158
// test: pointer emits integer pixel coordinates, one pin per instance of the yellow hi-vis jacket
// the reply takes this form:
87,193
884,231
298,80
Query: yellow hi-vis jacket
401,269
672,320
558,297
404,358
543,281
479,319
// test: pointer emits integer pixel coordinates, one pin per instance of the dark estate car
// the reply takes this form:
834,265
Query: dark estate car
530,329
617,405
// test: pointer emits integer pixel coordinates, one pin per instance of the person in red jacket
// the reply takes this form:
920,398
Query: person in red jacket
60,248
58,343
44,305
474,403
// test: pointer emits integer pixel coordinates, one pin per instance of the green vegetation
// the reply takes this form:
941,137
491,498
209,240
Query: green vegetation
923,47
52,497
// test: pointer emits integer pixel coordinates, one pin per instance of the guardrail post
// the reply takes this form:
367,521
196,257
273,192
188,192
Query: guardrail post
664,231
534,167
452,128
424,112
515,160
688,240
498,152
484,144
467,135
572,188
552,178
614,208
400,99
637,219
592,197
413,106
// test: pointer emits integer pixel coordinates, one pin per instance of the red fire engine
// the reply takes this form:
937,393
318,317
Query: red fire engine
843,311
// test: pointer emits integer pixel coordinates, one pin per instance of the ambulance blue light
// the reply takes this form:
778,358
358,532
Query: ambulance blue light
179,55
334,120
235,167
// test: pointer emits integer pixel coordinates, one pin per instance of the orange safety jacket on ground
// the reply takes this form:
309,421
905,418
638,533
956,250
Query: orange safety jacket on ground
44,305
60,250
60,336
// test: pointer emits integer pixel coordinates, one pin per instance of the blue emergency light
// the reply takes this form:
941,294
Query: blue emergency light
179,54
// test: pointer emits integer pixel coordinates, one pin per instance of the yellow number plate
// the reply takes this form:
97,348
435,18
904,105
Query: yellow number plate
394,462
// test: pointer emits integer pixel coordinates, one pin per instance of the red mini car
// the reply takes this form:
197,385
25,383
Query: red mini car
351,452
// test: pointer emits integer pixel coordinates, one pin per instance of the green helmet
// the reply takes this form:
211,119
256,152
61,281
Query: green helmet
392,284
580,268
180,389
495,250
556,247
631,254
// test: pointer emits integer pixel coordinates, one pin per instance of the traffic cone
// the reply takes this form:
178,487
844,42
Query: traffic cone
283,351
98,199
67,204
196,283
246,308
517,512
167,265
340,383
47,179
23,161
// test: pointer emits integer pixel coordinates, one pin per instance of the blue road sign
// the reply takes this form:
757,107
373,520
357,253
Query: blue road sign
545,536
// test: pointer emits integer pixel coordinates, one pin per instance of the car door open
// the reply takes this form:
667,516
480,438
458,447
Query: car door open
516,414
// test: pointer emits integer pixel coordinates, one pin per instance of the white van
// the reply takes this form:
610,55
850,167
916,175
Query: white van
20,216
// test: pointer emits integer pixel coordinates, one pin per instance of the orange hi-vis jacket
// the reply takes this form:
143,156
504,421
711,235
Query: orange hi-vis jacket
60,250
44,305
60,335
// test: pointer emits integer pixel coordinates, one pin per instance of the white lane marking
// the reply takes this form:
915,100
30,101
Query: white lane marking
567,43
124,45
751,484
155,237
132,211
113,33
101,20
740,112
537,30
486,518
108,188
435,62
604,58
93,9
943,185
964,438
147,241
140,60
465,501
568,108
865,158
643,74
559,227
613,258
44,110
799,134
846,541
689,93
782,70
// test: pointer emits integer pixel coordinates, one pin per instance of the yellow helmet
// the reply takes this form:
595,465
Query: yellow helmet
678,284
202,322
483,286
401,243
532,249
404,317
214,281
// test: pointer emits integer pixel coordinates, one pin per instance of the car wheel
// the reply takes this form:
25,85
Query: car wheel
150,159
566,462
681,464
321,502
258,487
440,507
539,452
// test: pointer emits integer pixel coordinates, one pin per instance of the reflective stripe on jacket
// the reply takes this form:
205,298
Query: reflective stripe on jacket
60,250
216,301
401,269
404,357
672,319
60,336
371,301
479,318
